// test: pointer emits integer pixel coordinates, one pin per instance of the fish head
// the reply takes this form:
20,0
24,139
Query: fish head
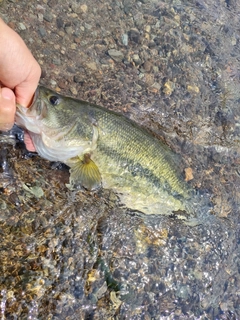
42,113
60,127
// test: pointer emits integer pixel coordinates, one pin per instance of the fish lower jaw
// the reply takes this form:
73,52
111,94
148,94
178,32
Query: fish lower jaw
27,123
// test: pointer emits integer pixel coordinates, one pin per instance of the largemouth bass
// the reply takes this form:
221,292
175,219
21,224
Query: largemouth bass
105,149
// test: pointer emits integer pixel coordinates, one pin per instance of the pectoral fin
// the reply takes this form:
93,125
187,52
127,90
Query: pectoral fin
84,172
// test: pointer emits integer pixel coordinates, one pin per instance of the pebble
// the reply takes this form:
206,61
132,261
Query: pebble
125,39
40,8
157,41
137,59
21,26
40,17
147,66
149,78
234,40
56,61
42,32
69,30
127,8
147,36
87,26
77,8
60,22
116,55
134,35
92,66
61,33
53,83
77,78
62,84
151,44
188,174
48,17
169,87
52,3
192,89
73,90
77,40
155,69
73,46
3,204
148,28
84,8
71,69
156,86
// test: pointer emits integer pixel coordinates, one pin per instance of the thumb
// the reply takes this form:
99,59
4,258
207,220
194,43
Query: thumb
7,109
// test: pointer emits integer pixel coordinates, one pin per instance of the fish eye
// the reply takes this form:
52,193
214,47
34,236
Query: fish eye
54,100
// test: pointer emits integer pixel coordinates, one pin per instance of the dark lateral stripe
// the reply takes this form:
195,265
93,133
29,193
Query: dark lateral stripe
135,168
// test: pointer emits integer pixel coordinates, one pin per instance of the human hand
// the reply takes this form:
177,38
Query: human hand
19,75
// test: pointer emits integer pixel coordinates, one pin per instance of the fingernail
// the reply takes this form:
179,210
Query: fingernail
7,94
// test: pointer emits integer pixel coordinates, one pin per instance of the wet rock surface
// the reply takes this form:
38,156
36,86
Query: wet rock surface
173,67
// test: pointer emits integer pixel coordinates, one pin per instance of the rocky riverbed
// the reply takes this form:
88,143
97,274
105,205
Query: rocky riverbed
173,67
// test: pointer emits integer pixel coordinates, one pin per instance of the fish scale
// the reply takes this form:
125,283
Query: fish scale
131,145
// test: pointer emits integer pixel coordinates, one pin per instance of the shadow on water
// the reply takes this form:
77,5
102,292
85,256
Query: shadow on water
76,255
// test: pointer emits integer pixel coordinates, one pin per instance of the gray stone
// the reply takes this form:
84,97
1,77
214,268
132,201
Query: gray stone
48,17
42,32
116,55
134,35
22,26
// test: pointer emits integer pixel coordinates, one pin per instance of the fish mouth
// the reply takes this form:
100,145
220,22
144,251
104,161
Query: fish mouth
27,118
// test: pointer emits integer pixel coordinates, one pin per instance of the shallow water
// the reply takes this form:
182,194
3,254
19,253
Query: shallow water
73,255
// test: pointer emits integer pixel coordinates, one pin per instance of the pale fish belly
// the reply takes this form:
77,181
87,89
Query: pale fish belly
54,146
55,152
